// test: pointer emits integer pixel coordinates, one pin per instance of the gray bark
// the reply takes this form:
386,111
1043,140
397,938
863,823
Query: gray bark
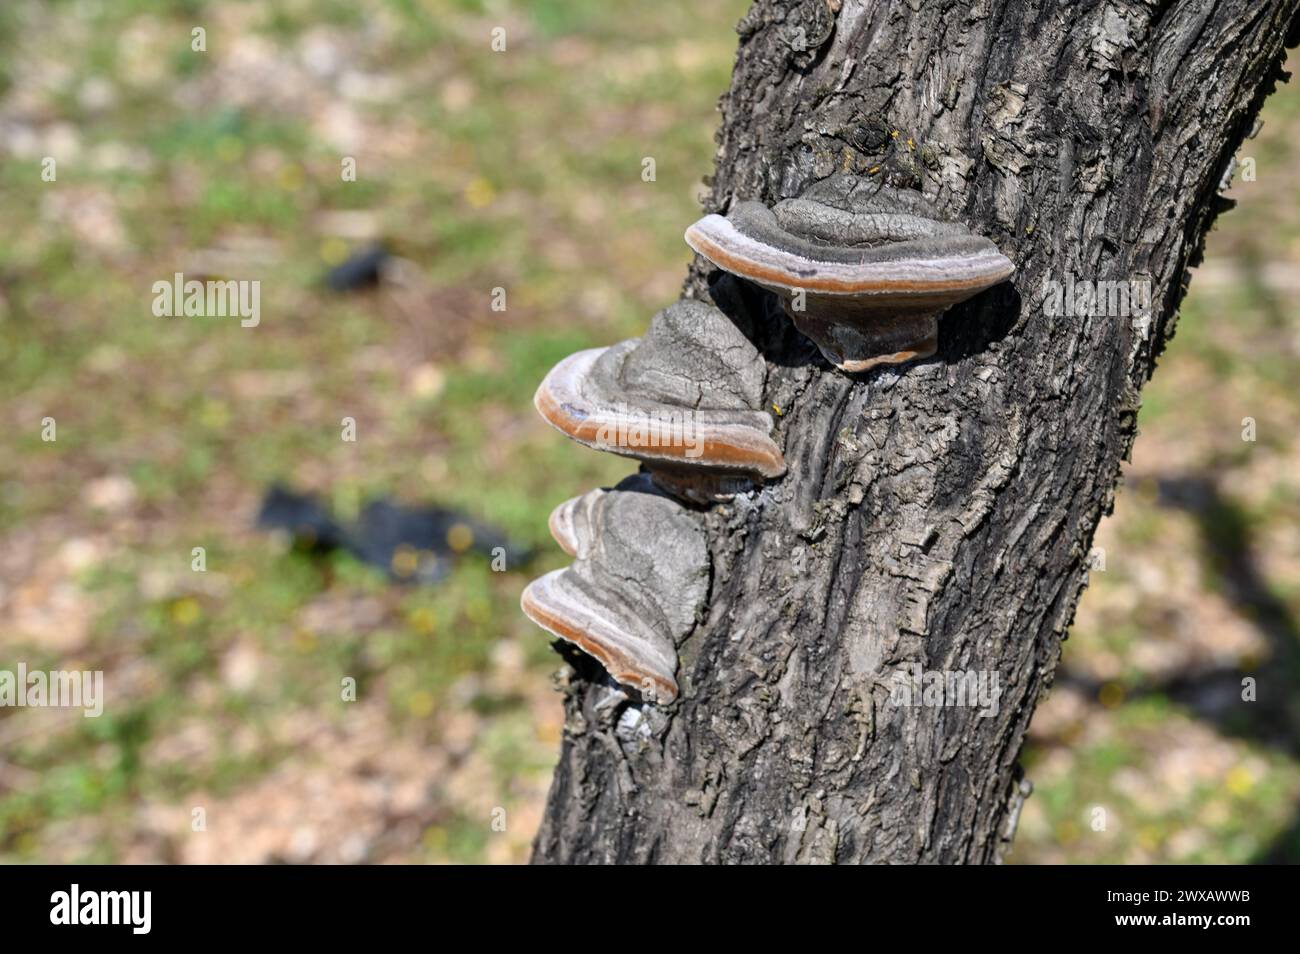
939,513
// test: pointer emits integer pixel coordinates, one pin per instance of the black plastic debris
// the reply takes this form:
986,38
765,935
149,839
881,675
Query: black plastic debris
411,544
362,269
303,516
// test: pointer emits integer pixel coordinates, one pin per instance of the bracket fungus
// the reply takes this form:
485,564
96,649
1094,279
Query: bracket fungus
570,522
862,268
685,400
632,594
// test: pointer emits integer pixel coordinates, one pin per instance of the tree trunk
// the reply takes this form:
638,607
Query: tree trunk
937,514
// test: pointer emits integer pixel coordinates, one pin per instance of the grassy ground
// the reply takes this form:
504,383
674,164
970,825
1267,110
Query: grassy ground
519,170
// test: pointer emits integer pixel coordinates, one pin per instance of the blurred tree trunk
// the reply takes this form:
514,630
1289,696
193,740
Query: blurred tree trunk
941,514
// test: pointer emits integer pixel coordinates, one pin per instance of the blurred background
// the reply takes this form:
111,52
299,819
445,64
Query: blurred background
522,171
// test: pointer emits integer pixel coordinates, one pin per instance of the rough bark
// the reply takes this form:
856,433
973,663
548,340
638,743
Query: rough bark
939,513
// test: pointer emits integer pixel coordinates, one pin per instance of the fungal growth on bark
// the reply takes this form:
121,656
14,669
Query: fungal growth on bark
685,399
568,517
640,577
863,269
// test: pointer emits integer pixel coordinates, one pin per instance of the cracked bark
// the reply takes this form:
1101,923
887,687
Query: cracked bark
941,513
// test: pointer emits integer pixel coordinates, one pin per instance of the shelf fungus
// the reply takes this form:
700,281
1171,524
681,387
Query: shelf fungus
863,269
632,594
567,517
685,400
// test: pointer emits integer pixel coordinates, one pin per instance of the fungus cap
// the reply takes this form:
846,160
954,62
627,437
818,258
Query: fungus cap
685,397
633,592
863,269
568,522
